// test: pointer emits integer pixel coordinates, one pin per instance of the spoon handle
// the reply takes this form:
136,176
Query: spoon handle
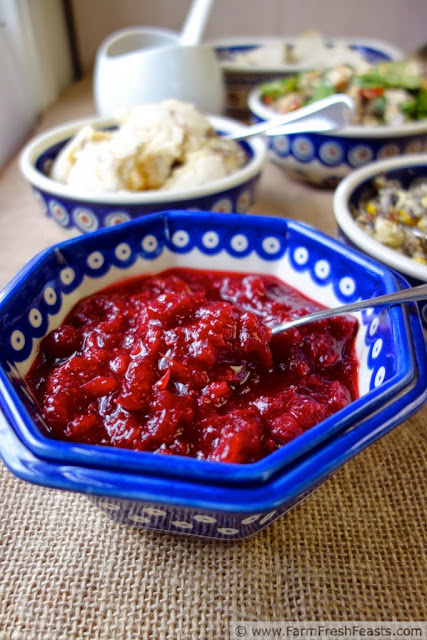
332,112
405,295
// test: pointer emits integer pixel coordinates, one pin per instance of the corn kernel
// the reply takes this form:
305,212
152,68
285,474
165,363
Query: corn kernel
405,218
420,260
371,208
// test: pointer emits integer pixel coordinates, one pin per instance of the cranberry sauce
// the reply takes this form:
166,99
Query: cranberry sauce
183,363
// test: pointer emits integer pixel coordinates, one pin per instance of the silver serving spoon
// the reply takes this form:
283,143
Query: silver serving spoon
333,112
406,295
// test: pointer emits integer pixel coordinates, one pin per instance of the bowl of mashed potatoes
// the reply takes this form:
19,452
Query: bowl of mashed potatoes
95,173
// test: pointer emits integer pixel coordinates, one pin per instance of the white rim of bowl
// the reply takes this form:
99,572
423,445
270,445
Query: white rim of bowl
386,48
40,143
259,109
355,234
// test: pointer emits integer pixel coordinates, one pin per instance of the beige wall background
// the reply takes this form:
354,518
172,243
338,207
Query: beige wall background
401,22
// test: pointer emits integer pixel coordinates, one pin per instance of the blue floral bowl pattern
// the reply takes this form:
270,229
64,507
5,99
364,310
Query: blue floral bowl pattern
241,77
187,495
325,158
85,212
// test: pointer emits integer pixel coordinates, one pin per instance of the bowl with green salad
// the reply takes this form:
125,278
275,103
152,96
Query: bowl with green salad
390,118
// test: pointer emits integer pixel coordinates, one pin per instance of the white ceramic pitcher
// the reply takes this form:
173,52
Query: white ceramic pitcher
146,64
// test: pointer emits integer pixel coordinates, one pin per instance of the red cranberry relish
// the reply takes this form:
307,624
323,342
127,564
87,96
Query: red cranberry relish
183,362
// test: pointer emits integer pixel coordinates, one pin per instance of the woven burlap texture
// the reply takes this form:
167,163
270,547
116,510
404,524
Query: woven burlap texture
353,550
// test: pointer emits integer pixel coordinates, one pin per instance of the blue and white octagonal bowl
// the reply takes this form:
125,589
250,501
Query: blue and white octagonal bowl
84,212
325,158
179,494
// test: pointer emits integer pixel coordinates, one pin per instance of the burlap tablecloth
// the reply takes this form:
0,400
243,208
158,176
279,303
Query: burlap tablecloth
354,550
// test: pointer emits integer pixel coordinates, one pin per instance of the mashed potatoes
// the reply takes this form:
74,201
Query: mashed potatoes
166,146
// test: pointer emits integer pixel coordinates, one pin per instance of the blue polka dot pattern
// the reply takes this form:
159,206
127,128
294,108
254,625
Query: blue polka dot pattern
94,215
175,520
325,158
304,253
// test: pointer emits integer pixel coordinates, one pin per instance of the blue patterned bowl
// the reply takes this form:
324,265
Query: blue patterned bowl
325,158
241,76
354,188
187,495
85,212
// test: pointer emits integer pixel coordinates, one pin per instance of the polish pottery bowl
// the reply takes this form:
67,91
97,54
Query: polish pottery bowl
356,188
83,212
323,159
188,495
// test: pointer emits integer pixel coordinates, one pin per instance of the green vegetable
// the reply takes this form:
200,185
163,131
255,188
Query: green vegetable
279,88
410,109
422,103
378,106
323,90
389,75
416,108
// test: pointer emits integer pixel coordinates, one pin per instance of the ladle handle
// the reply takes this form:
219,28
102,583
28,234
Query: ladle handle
405,295
195,22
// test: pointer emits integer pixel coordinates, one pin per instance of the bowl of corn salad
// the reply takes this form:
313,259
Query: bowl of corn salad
381,209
